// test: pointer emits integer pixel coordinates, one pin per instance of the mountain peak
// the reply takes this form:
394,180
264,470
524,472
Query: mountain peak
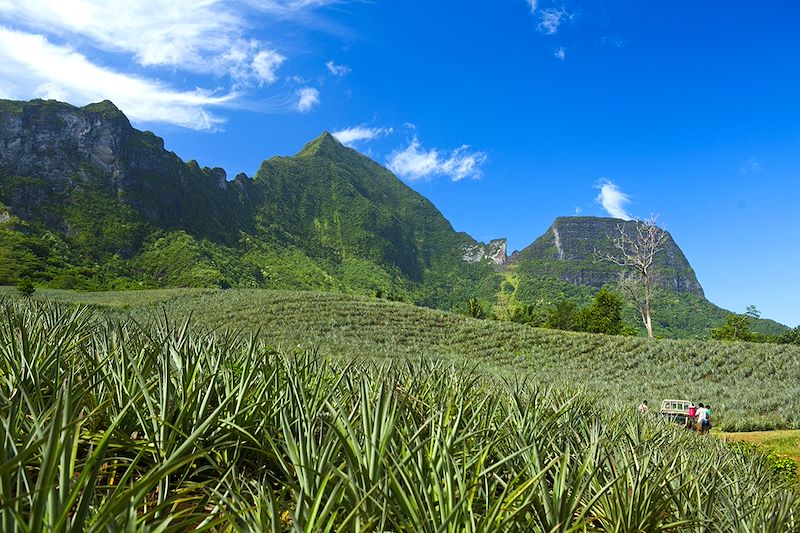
107,110
325,145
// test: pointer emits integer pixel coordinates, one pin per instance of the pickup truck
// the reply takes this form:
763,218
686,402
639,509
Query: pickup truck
676,410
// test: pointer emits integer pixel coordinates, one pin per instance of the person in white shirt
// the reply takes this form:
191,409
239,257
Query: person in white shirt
643,408
702,419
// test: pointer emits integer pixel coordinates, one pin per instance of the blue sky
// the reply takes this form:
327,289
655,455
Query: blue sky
505,114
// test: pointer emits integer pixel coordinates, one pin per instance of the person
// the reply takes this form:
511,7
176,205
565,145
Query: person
708,417
690,416
702,419
643,408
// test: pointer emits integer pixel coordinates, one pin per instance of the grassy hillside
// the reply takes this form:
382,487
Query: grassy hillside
109,425
750,386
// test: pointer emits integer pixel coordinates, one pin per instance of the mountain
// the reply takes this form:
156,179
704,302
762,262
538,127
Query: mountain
562,264
88,201
567,250
331,201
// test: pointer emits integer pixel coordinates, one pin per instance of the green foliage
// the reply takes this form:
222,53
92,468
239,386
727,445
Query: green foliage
783,467
791,336
475,308
21,256
25,287
563,315
752,312
603,316
735,328
526,314
100,225
123,425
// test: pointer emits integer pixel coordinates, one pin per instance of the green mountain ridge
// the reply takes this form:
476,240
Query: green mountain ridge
89,202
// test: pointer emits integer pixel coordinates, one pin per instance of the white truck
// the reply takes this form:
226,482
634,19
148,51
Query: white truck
676,410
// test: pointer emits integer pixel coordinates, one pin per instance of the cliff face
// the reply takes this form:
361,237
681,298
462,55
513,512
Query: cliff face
60,163
494,252
567,251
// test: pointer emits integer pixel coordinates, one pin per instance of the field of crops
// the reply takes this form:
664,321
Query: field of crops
750,386
112,424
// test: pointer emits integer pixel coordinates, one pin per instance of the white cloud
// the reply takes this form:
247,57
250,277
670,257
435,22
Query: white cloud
338,70
560,53
751,166
578,211
414,163
307,99
197,36
265,63
39,68
351,136
552,18
533,4
613,200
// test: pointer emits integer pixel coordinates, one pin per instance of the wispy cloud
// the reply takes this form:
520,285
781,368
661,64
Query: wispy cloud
614,42
140,45
533,4
415,163
551,19
613,200
38,68
338,70
307,99
560,53
352,136
203,37
751,166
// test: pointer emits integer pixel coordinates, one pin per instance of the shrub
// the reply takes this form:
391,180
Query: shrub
25,287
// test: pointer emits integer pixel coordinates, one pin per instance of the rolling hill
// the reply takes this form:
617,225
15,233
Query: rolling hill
752,386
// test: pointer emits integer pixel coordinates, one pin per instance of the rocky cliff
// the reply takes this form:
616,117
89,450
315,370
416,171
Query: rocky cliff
494,251
54,157
567,251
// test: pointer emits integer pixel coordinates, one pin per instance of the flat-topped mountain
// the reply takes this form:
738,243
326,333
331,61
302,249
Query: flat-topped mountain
568,250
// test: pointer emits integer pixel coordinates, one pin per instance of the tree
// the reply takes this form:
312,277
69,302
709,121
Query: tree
735,328
790,336
475,308
562,315
752,312
25,287
603,316
636,252
526,314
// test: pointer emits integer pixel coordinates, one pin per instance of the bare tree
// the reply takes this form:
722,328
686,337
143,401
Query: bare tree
636,252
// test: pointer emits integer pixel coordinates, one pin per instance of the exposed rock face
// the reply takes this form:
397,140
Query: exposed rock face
494,251
567,251
54,151
48,138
